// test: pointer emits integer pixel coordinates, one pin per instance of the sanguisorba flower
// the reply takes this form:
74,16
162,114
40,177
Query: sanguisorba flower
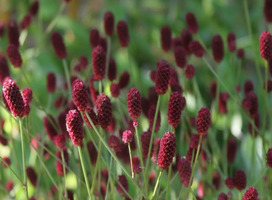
104,110
134,103
185,171
4,69
240,180
92,115
167,150
14,56
99,62
74,125
166,38
251,194
94,38
51,82
196,48
162,77
124,79
58,45
231,150
13,97
191,22
217,48
203,121
79,95
13,33
266,45
59,165
32,175
180,56
50,126
34,8
231,42
123,33
269,158
112,70
268,10
109,23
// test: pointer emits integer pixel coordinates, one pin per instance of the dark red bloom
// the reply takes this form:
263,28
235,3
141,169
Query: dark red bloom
269,158
50,126
166,38
14,56
217,48
231,42
231,150
51,82
114,143
251,194
60,141
92,152
25,22
240,180
62,122
250,103
34,8
203,121
2,29
222,102
127,136
58,45
124,80
104,110
134,103
112,70
167,150
153,74
186,38
123,34
123,181
59,166
9,185
162,77
13,33
136,164
103,43
79,95
94,38
266,45
222,196
145,140
216,180
74,125
213,88
189,71
176,105
229,182
32,176
196,48
240,53
194,141
6,161
151,116
109,23
185,171
4,69
99,62
92,115
115,90
176,42
27,95
13,98
268,10
248,87
191,22
180,56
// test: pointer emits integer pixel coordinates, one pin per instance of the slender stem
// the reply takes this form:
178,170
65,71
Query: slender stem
131,69
151,141
67,76
54,21
130,157
156,186
64,174
193,170
168,181
84,172
139,147
23,156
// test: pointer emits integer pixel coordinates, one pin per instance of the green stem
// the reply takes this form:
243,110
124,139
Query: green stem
23,156
64,174
168,181
139,147
84,172
67,76
131,69
130,157
156,186
54,21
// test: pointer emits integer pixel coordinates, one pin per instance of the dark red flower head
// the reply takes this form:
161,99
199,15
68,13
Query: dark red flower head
13,33
203,121
94,38
123,34
123,181
99,62
124,80
196,48
167,150
109,23
189,71
26,21
229,182
222,196
115,90
231,150
191,22
6,161
136,164
250,103
240,53
231,42
166,38
59,166
9,185
194,141
268,10
162,77
180,56
251,194
4,69
151,116
79,95
60,141
114,143
14,55
269,158
266,45
27,95
13,97
50,127
92,152
58,45
176,104
145,140
104,110
222,102
74,125
186,38
51,82
248,87
112,70
34,8
240,180
92,115
217,48
185,171
134,103
127,136
32,176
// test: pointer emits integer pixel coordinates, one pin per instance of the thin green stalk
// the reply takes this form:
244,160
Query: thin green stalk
23,156
139,147
109,180
156,186
151,141
67,76
172,180
131,69
84,172
54,21
130,158
193,170
64,174
168,181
